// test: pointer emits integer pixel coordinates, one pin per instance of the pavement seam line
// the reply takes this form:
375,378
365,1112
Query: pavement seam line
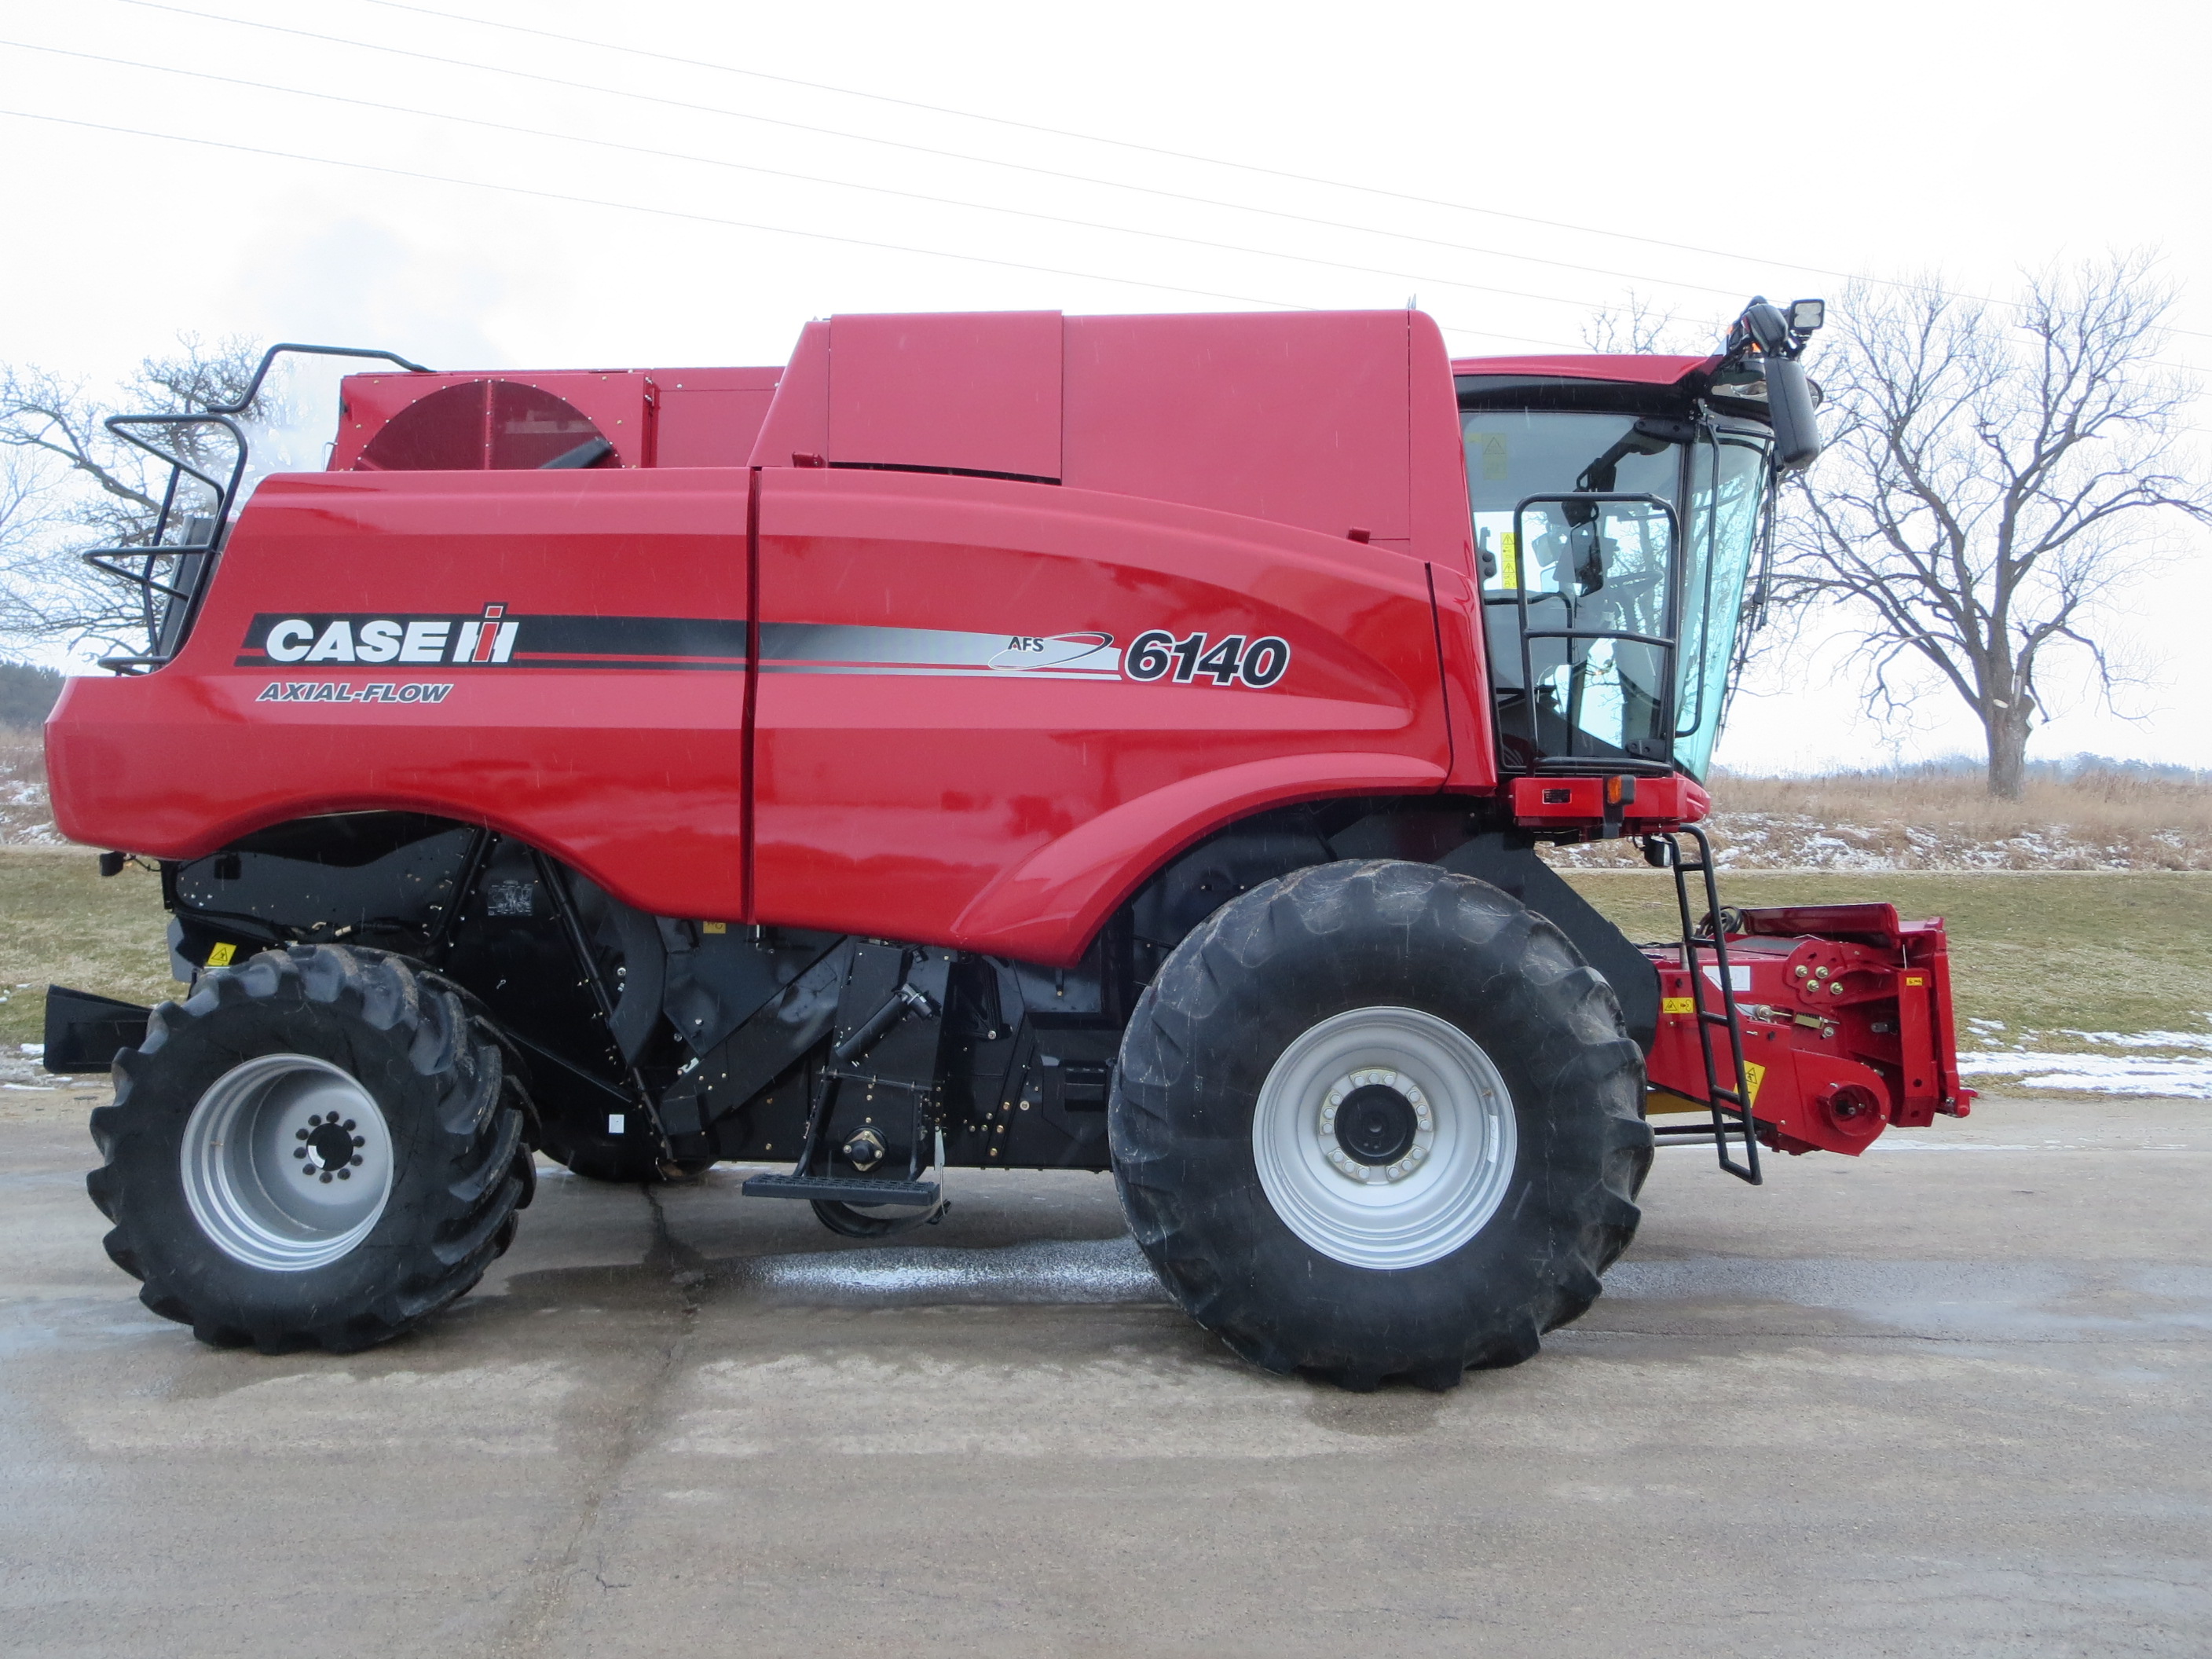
549,1585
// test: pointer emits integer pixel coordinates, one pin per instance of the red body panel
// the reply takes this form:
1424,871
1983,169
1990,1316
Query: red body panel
711,416
796,431
979,392
908,788
1321,407
632,775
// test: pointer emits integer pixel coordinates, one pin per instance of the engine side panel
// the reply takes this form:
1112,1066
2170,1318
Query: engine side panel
597,710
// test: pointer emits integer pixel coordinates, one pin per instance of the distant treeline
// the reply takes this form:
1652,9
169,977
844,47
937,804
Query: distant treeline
2065,769
27,694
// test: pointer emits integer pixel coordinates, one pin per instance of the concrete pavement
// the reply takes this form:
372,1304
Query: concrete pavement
1949,1399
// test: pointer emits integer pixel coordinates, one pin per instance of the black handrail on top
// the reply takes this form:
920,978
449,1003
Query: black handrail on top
199,538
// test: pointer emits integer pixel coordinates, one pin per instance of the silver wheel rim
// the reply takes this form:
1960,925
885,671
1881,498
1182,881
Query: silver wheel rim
286,1163
1404,1210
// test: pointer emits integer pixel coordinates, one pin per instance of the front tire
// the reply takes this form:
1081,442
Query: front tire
1376,1120
318,1148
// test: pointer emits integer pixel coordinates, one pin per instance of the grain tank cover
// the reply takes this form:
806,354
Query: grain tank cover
1308,418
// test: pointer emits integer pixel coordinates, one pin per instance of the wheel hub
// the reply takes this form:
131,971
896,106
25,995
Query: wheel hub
286,1163
331,1148
1384,1137
1375,1125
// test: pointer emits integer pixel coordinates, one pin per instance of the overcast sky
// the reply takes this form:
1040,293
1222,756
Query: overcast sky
568,197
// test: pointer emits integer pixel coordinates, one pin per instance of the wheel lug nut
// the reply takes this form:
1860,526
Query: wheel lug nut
325,1176
358,1140
356,1163
299,1152
343,1175
299,1134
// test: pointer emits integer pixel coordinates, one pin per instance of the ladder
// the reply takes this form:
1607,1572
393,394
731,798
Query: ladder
1730,1101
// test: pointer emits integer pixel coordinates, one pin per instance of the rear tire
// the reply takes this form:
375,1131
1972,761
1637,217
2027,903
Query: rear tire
317,1148
1375,1120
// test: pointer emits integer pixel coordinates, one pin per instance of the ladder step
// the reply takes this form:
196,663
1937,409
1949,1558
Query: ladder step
843,1189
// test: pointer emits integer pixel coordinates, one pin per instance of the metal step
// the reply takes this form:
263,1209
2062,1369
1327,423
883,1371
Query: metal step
841,1189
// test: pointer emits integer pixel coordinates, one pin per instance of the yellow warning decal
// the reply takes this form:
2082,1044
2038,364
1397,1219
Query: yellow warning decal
1508,560
713,926
1678,1006
221,956
1914,979
1754,1075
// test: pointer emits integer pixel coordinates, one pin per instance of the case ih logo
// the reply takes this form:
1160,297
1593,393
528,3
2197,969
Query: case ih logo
488,638
495,638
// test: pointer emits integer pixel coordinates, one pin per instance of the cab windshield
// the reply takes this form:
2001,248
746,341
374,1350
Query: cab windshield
1614,551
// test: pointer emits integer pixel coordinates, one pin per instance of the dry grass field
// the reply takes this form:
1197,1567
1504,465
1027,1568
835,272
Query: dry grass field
2096,820
2045,954
60,923
24,820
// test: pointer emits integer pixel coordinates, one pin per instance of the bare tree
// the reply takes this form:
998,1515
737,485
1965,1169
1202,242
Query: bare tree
26,516
1640,324
80,486
1992,471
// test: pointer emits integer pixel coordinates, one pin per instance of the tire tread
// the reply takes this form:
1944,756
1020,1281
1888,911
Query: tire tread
1594,1058
464,1209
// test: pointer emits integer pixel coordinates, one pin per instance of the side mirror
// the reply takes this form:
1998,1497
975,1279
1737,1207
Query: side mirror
1790,406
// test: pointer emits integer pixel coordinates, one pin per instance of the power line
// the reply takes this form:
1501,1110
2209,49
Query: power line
1216,162
955,156
802,177
1083,137
708,109
916,196
705,219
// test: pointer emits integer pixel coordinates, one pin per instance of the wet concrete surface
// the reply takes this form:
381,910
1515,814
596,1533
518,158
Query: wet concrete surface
1949,1399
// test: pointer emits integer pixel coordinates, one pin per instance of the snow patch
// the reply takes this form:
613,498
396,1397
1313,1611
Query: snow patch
2147,1039
2171,1076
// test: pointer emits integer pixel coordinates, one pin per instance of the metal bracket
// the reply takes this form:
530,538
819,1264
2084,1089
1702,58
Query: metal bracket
564,907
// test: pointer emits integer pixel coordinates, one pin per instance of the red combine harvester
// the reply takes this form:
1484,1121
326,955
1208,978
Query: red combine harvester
1001,740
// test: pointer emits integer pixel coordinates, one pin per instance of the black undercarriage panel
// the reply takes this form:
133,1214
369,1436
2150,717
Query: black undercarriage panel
763,1044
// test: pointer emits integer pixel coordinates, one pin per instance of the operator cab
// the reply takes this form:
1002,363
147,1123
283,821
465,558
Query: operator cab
1619,503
